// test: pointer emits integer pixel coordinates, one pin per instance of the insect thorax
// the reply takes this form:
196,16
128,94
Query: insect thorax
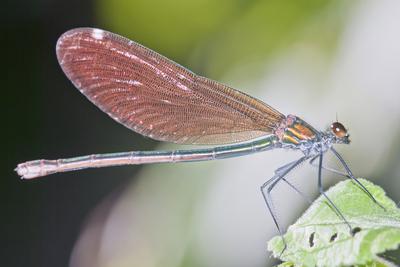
295,133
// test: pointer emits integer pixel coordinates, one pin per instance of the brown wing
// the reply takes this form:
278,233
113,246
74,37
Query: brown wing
155,96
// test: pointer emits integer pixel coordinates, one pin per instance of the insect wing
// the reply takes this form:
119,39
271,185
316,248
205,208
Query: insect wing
155,96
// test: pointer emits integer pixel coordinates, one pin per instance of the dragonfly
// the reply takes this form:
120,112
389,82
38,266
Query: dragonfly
160,99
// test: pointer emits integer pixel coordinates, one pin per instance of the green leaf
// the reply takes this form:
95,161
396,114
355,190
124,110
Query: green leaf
321,238
378,262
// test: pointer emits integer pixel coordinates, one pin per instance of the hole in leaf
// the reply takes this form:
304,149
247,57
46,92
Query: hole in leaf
333,237
355,230
311,239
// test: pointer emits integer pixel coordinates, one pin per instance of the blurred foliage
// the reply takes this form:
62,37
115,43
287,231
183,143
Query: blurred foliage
170,27
221,35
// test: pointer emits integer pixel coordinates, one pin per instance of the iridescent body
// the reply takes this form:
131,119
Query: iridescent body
158,98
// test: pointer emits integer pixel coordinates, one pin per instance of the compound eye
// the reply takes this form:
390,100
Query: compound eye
338,129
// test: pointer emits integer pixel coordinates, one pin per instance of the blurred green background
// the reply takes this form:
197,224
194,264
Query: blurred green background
313,58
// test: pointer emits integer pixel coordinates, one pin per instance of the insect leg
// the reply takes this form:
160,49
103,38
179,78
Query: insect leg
267,187
351,176
309,200
321,190
312,163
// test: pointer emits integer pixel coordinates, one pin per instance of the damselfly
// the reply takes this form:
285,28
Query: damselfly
158,98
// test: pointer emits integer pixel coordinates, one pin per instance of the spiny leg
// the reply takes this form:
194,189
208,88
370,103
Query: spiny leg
327,168
269,202
280,169
321,190
351,176
280,173
309,200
